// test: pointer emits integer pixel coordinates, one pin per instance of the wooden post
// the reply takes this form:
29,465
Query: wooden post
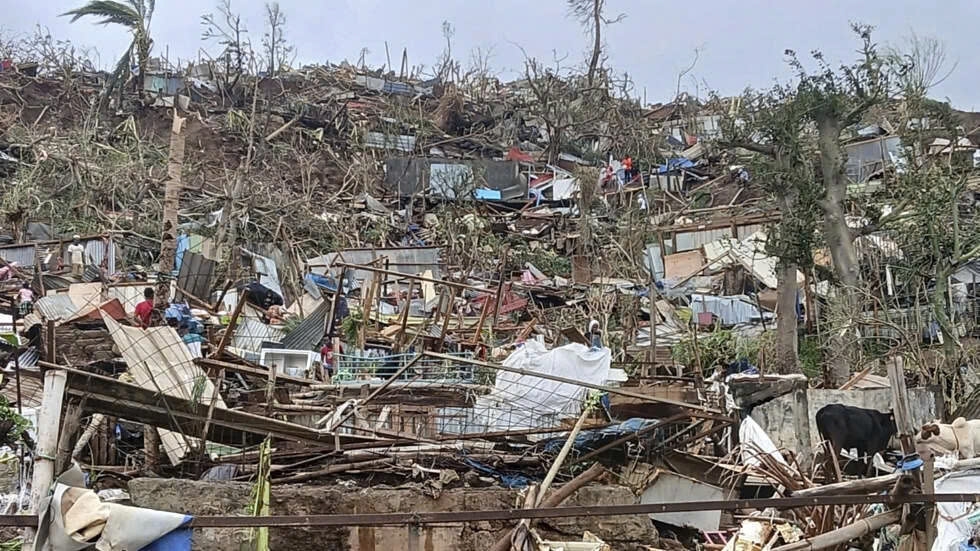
329,329
900,404
929,488
447,315
230,330
500,288
151,448
171,206
48,423
400,339
479,324
844,534
654,313
366,304
270,391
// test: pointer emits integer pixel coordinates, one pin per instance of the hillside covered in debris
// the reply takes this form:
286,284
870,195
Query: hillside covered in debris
366,306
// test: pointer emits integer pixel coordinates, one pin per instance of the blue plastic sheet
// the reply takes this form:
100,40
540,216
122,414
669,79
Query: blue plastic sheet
487,194
589,440
178,540
183,245
674,164
508,479
741,366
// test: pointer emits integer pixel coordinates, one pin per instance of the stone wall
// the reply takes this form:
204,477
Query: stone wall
81,343
228,498
790,420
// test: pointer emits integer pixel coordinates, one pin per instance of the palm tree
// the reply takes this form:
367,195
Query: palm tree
132,14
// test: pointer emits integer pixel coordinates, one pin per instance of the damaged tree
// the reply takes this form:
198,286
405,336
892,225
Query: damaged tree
775,130
835,102
171,204
590,14
135,15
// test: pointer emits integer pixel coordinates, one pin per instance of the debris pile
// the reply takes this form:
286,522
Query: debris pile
448,288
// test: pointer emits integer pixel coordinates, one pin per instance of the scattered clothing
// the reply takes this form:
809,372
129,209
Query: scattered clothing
194,343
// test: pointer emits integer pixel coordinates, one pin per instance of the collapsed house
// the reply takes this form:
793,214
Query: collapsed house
446,361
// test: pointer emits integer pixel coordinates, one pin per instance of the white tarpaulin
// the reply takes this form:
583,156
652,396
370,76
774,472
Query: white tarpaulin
956,521
528,402
755,442
73,518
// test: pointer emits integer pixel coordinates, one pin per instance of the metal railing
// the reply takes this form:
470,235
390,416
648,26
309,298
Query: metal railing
354,369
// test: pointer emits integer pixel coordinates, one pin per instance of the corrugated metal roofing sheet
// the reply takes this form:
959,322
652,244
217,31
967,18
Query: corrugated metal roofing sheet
380,140
252,332
56,307
128,295
158,360
196,275
749,253
309,332
407,260
21,254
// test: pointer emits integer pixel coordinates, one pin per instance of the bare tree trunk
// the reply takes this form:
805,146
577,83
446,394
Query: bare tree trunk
171,204
840,241
787,295
941,309
597,45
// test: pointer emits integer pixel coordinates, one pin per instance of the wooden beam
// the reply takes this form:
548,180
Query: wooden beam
253,371
230,330
107,395
447,316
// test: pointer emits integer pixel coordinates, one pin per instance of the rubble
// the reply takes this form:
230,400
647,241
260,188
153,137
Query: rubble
393,295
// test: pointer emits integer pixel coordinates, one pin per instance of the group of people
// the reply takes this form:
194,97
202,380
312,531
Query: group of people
619,173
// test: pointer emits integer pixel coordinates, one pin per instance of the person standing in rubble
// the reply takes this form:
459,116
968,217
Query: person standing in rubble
25,298
144,310
627,169
76,254
192,340
328,360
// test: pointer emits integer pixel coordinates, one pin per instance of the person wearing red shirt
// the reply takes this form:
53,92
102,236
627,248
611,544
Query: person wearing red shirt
145,309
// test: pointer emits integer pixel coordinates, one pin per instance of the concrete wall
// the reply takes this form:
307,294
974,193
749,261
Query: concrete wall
790,420
228,498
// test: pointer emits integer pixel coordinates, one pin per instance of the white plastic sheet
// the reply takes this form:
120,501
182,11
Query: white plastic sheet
72,517
528,402
956,521
755,441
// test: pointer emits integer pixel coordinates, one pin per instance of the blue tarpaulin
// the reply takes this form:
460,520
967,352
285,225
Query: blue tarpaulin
178,540
491,194
510,480
674,164
589,440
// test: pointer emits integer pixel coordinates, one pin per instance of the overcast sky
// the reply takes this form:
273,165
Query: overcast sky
741,42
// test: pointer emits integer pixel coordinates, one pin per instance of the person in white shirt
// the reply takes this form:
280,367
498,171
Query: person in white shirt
76,253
